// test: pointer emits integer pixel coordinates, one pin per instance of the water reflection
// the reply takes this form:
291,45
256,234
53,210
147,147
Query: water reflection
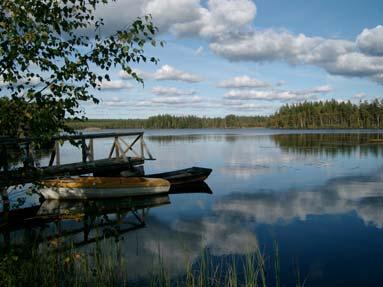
330,144
75,221
318,195
82,224
190,138
361,194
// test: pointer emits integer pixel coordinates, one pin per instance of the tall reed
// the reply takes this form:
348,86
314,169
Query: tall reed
105,265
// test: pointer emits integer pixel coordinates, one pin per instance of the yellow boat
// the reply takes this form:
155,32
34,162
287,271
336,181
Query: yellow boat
101,187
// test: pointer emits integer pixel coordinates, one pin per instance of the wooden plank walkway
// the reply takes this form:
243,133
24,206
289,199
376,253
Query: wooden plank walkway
102,166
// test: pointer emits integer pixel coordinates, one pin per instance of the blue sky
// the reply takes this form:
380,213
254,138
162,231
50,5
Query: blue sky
247,57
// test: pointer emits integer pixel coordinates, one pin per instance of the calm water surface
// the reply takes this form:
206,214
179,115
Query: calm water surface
318,194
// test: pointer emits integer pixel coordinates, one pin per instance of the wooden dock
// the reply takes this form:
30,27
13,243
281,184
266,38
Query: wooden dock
128,151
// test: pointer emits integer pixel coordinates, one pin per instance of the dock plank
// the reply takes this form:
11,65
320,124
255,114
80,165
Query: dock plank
113,165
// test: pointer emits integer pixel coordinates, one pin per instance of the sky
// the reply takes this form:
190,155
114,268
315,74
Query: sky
246,57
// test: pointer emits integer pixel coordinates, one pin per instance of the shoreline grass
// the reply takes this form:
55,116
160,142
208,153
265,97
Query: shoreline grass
104,265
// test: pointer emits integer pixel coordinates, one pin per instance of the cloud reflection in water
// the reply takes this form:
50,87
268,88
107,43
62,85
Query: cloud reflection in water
364,195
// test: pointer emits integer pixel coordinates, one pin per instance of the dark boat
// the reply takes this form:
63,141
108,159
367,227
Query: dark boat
182,176
194,187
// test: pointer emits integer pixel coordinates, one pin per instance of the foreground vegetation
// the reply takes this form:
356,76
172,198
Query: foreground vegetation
103,265
52,60
306,115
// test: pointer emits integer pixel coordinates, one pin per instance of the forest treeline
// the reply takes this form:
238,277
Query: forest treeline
305,115
329,114
173,122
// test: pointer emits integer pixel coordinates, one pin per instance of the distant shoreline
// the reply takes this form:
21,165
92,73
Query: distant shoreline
172,122
306,115
90,129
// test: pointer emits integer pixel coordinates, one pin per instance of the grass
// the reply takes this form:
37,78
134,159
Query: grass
104,265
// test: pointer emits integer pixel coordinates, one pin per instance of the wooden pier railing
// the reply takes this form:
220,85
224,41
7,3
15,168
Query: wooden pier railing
127,151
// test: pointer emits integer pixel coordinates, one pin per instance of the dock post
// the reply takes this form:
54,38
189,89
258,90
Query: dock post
5,201
142,146
91,150
52,158
4,158
57,152
6,206
84,150
27,160
117,147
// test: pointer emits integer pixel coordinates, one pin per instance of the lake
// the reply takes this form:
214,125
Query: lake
310,202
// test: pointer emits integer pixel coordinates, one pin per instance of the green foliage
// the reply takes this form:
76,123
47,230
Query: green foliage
329,114
172,122
49,63
306,115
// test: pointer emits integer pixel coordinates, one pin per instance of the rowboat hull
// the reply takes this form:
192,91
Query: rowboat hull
102,187
194,187
183,176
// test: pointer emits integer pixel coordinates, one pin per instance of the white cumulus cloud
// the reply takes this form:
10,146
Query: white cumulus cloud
182,17
370,41
276,95
218,18
229,27
172,91
142,74
270,45
115,102
243,82
360,58
167,13
167,72
170,101
114,85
